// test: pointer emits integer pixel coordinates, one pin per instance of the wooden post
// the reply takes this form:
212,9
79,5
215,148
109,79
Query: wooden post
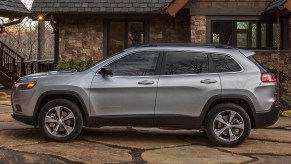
13,69
1,55
23,69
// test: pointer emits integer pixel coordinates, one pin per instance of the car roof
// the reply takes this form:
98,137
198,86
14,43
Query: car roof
187,45
219,48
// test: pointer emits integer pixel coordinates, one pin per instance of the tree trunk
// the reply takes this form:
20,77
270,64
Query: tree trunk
41,40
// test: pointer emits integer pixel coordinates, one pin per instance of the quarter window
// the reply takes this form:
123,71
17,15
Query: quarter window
186,63
224,63
137,64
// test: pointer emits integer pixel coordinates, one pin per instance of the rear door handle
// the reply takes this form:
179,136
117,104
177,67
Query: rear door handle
208,81
146,82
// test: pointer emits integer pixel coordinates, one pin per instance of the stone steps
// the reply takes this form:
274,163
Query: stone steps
4,96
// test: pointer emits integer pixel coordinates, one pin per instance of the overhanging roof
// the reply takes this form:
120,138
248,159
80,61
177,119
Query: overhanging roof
13,9
98,6
275,5
175,6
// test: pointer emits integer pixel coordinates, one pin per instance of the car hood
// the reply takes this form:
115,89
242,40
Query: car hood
48,74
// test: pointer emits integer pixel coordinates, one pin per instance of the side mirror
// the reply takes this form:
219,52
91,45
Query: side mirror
105,72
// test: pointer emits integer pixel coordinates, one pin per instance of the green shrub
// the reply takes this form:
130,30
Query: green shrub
74,65
285,100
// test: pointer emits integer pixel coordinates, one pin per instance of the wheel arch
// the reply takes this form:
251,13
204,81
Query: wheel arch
241,100
69,95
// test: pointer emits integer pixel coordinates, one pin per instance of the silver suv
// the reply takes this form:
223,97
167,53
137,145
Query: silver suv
222,90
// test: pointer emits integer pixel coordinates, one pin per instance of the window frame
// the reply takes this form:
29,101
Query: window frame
158,65
106,33
259,23
211,68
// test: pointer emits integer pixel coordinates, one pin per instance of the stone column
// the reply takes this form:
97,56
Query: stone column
198,29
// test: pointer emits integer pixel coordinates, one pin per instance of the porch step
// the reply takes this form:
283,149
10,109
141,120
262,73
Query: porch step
4,96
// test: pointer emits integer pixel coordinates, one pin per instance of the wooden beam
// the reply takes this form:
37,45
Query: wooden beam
176,6
226,11
287,5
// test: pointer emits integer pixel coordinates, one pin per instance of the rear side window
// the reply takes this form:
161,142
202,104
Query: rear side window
186,63
258,64
224,63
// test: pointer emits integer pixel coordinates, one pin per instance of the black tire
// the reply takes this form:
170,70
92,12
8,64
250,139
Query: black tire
65,104
211,123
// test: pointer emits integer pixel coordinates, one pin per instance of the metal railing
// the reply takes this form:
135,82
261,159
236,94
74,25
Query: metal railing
36,66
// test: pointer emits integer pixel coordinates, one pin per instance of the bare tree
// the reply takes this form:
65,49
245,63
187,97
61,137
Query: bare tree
23,37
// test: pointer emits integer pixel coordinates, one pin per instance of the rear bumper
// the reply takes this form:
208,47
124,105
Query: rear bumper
30,120
269,118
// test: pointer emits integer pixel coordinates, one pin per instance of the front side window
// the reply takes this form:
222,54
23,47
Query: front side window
137,64
224,63
186,63
246,34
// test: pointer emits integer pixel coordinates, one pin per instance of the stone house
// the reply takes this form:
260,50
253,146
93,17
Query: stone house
94,29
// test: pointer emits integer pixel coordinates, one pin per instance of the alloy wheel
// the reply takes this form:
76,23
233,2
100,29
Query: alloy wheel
60,121
228,126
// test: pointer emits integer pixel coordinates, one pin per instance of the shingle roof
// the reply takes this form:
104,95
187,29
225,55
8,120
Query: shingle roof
12,8
274,4
98,6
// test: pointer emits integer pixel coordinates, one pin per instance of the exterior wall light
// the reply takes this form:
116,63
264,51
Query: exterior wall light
40,17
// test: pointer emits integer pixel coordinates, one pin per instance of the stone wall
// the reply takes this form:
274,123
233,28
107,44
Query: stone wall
81,39
176,29
269,59
198,29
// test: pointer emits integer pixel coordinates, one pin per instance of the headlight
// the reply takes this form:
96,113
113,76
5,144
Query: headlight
23,86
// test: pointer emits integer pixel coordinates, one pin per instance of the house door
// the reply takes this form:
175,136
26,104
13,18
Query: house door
124,34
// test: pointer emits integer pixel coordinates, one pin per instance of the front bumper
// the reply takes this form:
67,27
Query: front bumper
30,120
269,118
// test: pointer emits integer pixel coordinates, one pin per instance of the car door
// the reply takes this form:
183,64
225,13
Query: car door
186,83
128,96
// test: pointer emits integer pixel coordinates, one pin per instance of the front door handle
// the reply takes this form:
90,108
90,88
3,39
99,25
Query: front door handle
146,82
208,81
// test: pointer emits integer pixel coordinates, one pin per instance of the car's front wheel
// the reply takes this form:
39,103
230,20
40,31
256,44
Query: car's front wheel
227,125
60,120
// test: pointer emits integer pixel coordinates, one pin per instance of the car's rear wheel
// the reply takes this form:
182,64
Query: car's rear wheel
227,125
60,120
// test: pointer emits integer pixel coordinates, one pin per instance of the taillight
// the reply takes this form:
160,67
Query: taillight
268,78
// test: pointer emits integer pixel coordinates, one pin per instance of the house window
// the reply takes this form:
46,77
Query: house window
245,34
123,34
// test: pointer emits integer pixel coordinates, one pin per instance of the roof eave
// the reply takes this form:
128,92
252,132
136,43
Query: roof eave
175,6
13,14
275,7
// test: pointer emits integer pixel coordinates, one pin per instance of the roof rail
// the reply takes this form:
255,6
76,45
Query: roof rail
187,45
